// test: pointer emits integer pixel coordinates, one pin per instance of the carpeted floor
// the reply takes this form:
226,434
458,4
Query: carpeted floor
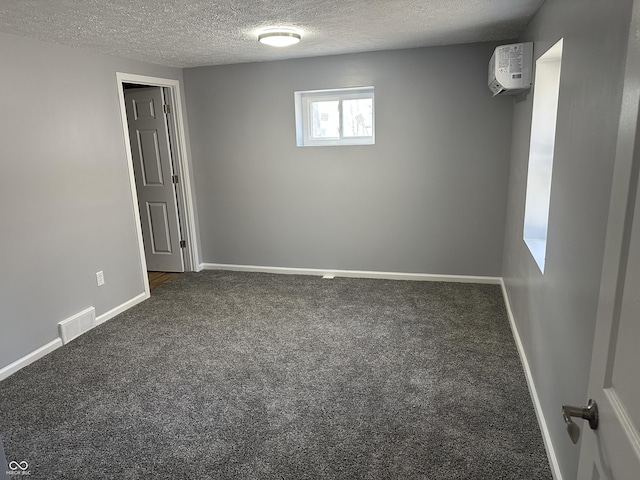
224,375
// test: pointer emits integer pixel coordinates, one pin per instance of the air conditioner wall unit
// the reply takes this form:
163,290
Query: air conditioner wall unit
510,69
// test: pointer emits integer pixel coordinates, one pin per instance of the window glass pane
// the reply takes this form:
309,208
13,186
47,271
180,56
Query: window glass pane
325,119
342,116
357,117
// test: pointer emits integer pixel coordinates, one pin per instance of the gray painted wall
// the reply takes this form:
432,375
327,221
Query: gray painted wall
555,312
429,197
64,190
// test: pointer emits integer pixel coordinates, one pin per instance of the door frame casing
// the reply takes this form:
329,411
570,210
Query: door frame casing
181,164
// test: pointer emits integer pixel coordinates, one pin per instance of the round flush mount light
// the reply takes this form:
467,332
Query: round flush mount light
279,38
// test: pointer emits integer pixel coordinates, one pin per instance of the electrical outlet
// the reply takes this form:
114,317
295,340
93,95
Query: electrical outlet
100,278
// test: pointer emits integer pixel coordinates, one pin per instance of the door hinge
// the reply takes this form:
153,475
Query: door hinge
183,244
174,178
167,108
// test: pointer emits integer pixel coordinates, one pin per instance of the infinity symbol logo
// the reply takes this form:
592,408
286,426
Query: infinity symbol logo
15,465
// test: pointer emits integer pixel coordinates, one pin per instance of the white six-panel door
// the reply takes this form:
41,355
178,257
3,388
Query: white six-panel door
153,168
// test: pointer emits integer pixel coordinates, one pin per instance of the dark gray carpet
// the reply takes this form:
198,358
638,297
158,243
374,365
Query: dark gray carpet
224,375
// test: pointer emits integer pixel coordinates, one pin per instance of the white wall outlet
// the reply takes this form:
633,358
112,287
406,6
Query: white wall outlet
100,278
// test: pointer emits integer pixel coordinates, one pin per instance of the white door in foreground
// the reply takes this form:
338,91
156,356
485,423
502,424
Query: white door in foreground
612,451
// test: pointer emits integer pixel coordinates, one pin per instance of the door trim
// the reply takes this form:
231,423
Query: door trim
182,166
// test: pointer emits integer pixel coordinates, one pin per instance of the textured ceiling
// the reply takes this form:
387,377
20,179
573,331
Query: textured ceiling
188,33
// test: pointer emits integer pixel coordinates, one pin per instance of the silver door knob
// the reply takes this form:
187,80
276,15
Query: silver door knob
590,413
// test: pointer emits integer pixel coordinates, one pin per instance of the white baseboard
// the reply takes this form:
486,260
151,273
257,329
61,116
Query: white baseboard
30,358
54,344
352,273
121,308
551,454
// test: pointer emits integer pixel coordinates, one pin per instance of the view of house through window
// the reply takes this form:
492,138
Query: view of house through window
335,117
546,90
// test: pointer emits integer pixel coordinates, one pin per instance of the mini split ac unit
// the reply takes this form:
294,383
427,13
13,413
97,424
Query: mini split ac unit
510,69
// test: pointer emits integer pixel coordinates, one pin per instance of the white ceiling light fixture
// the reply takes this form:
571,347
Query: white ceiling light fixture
279,37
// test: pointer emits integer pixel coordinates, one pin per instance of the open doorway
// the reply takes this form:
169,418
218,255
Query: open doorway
159,175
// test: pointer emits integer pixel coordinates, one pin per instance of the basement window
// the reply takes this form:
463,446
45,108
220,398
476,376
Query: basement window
335,117
541,150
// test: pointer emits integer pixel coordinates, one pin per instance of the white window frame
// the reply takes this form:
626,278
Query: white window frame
304,125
